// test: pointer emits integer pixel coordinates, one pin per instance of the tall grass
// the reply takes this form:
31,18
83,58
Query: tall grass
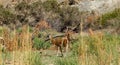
95,49
99,50
18,47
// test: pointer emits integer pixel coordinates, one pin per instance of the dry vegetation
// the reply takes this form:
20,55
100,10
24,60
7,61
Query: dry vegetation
24,33
95,49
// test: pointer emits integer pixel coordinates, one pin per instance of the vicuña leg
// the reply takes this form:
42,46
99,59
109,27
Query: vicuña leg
58,51
61,51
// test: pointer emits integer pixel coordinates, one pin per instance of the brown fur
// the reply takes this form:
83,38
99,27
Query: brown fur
61,42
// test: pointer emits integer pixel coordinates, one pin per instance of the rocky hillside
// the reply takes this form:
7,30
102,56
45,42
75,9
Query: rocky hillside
60,14
101,6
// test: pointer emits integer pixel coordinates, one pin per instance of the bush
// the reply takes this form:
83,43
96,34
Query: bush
37,10
58,17
22,12
27,11
6,16
66,16
115,14
70,15
40,44
51,5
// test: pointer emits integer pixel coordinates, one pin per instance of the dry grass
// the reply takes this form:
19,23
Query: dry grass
25,38
40,26
95,49
15,43
17,40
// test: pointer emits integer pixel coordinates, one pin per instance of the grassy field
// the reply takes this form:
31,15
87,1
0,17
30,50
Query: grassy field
94,49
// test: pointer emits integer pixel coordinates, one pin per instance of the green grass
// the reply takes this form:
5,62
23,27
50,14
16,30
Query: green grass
115,14
39,43
35,58
97,51
94,50
67,61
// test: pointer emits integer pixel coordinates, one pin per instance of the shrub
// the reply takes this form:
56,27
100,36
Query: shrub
51,5
58,17
40,44
22,6
70,16
22,12
37,10
6,16
66,16
109,16
27,11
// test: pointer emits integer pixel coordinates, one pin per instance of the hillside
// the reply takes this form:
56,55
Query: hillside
89,11
84,5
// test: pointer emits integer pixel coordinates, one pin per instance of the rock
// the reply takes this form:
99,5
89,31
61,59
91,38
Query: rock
101,6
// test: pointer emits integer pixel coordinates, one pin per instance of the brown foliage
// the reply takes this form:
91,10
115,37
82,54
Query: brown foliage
10,42
15,41
41,25
25,38
92,18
